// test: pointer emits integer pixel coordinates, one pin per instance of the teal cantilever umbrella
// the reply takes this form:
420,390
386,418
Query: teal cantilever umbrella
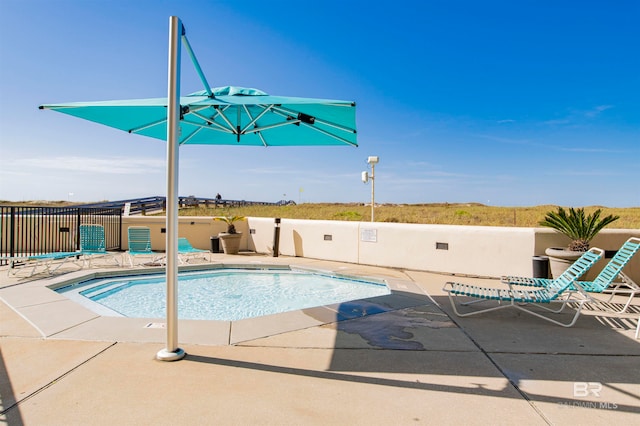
228,116
222,116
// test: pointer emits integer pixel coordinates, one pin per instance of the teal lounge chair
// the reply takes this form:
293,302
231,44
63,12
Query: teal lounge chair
37,263
92,244
139,242
604,282
186,251
558,291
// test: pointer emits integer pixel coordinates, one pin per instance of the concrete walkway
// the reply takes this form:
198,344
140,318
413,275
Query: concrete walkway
414,362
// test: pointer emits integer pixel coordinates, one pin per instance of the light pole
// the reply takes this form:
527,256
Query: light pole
372,161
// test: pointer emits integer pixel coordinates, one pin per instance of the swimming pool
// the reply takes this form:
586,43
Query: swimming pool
221,294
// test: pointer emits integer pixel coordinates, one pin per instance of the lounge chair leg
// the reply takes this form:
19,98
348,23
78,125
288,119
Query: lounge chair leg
455,309
569,324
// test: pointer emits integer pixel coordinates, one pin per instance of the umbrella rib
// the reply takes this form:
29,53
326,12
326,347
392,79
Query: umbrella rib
253,120
155,123
146,126
264,142
344,104
272,126
324,132
212,121
258,130
195,132
206,126
318,120
224,117
310,126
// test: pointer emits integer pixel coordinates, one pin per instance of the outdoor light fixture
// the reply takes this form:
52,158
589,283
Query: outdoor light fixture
372,160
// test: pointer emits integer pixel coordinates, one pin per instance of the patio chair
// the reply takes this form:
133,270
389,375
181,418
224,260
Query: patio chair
92,244
186,251
604,282
48,262
558,291
139,242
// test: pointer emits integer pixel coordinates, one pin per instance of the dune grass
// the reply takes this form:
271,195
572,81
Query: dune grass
436,213
444,214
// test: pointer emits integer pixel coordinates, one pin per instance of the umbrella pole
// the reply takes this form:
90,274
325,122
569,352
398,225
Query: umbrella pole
172,352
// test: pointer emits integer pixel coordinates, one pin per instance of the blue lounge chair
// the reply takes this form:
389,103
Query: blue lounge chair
604,282
558,291
187,251
92,244
48,262
139,241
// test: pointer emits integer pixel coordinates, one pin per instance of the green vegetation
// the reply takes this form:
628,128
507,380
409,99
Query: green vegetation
230,220
445,214
436,213
577,225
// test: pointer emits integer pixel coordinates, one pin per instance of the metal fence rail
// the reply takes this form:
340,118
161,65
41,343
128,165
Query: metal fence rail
157,203
38,230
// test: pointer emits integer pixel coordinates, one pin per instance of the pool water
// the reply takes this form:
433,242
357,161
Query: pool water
227,295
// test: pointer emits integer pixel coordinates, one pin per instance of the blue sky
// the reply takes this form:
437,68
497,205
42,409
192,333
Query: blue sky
498,102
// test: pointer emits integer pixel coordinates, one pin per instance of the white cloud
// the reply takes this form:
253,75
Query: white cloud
578,116
591,150
104,165
510,141
597,110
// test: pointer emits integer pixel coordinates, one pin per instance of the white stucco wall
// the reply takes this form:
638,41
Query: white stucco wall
471,250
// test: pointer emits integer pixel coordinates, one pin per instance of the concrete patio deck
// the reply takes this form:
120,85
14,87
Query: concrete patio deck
415,362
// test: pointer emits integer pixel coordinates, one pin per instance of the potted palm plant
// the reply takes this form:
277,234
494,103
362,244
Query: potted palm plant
231,239
580,228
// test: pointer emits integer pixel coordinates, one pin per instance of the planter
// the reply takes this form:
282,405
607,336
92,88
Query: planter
560,259
230,242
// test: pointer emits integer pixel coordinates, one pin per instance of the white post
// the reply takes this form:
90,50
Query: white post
373,191
372,160
172,352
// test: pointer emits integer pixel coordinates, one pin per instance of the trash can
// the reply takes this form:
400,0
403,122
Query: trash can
215,245
540,267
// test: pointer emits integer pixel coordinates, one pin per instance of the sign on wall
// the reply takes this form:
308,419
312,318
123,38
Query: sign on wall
369,235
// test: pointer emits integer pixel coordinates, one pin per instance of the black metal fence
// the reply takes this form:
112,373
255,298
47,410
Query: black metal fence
153,204
38,230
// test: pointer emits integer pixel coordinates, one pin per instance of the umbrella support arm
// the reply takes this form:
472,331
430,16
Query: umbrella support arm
196,65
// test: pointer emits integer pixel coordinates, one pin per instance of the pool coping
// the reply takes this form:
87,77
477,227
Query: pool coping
57,317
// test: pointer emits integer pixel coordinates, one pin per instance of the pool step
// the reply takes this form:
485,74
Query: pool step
100,290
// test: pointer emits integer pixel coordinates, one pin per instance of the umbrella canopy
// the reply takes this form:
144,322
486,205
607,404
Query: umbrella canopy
228,116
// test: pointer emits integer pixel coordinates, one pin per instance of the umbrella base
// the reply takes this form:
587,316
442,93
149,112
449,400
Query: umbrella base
166,355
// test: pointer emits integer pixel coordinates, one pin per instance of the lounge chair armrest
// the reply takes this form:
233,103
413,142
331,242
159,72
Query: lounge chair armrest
531,282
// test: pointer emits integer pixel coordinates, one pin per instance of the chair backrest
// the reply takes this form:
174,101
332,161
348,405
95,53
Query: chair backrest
575,271
616,264
92,238
184,245
139,238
